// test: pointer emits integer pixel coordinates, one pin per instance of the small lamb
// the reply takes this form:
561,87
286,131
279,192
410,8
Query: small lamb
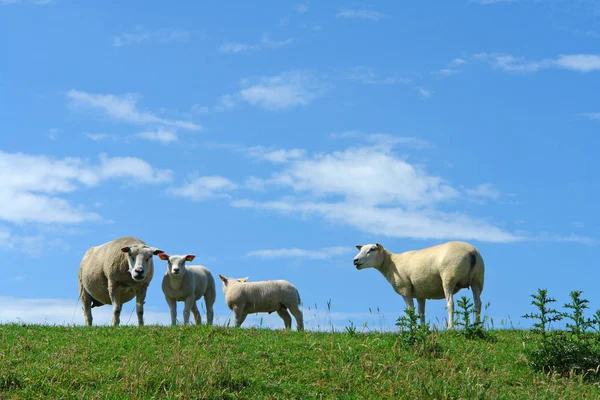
245,298
188,284
435,272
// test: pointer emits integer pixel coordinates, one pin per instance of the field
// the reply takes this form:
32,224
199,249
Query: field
218,362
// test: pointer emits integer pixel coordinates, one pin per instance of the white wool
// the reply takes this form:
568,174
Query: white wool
436,272
114,273
188,283
279,296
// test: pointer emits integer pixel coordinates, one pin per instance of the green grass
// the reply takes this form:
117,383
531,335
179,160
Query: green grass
216,362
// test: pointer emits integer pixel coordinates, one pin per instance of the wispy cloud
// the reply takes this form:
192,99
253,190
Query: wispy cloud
36,2
452,68
141,35
122,108
31,185
159,135
424,93
273,93
274,155
316,254
573,62
371,76
265,43
383,140
594,116
361,13
204,187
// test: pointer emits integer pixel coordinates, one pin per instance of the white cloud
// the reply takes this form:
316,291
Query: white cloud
484,191
287,90
370,76
487,2
579,62
573,62
290,89
53,133
317,254
33,245
101,136
594,116
383,141
361,14
424,93
141,35
204,187
274,156
236,48
122,108
265,43
159,135
30,184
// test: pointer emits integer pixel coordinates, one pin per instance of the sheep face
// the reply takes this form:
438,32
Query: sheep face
139,258
369,256
176,264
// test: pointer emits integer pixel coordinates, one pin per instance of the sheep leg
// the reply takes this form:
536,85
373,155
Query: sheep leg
238,316
299,318
173,307
421,303
209,310
115,299
477,301
285,316
410,302
187,308
86,301
197,317
140,299
449,294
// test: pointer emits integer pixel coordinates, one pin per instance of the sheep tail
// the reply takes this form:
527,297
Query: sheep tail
473,255
299,300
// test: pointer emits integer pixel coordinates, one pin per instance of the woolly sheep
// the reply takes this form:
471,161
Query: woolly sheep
114,273
432,273
187,284
245,298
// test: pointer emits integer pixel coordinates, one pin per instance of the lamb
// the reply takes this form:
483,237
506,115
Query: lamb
114,273
432,273
245,298
188,284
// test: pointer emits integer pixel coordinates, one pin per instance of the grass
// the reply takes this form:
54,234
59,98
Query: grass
39,361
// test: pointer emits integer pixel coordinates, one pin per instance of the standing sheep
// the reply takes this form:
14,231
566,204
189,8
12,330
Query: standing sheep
114,273
188,284
432,273
245,298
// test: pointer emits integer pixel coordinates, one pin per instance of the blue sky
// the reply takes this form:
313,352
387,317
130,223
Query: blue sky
270,138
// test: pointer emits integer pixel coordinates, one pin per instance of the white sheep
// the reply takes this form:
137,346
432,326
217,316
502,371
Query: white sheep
188,284
432,273
114,273
245,298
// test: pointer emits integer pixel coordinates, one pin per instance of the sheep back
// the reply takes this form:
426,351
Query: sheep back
264,296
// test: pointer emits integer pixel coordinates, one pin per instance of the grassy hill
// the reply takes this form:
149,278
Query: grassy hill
217,362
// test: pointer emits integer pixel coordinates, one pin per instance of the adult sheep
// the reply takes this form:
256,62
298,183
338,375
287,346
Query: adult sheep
245,298
436,272
114,273
188,284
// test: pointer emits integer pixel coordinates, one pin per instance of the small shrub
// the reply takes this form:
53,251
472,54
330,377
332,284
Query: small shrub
468,326
575,351
417,335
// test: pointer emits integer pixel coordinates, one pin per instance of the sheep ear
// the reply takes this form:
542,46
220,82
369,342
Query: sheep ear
163,256
379,246
359,246
156,251
223,278
190,257
125,249
243,279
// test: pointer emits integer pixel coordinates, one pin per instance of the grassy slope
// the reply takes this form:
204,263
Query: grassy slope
203,362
